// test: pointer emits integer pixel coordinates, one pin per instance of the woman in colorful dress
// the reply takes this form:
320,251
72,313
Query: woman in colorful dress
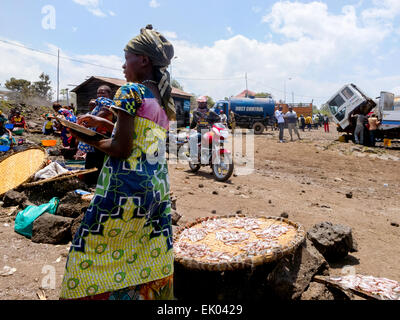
123,248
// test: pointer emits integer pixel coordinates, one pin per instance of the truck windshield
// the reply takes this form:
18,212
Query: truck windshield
347,93
335,104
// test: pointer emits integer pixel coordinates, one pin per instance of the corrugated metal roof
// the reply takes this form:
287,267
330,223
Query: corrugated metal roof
120,82
243,94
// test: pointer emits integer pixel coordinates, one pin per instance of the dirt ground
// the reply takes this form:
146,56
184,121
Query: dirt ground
307,179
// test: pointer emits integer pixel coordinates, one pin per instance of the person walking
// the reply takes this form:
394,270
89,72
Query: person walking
373,126
291,118
279,116
123,249
326,123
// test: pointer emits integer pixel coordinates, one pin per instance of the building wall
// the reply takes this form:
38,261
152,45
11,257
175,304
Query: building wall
88,92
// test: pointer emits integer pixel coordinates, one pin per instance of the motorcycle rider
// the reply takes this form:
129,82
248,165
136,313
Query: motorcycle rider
203,119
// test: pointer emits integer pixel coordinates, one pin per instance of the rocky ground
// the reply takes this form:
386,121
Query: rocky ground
311,181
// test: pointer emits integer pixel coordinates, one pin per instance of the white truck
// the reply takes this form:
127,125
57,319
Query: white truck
350,101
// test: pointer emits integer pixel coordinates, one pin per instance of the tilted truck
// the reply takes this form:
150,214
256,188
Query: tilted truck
350,101
250,113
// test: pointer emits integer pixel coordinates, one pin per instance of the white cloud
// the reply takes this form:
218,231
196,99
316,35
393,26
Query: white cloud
112,13
229,29
93,6
154,4
169,34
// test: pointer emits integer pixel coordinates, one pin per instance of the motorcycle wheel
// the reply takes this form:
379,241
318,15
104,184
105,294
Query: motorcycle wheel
223,170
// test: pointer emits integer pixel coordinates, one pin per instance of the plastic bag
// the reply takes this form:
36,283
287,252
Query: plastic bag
24,220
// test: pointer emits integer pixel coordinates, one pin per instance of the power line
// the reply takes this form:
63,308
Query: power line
297,95
209,79
55,55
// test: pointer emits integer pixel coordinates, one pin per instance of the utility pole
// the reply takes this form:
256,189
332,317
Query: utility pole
58,76
67,97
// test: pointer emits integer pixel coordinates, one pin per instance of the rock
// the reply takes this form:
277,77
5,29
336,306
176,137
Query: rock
293,274
269,201
214,211
201,185
349,195
394,224
52,229
319,291
173,202
175,217
72,205
239,212
285,215
334,242
76,224
72,210
215,192
13,198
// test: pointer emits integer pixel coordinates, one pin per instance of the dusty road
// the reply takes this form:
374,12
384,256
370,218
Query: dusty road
307,179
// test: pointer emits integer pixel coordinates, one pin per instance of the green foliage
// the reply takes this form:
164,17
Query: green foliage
263,95
25,89
325,110
176,84
210,102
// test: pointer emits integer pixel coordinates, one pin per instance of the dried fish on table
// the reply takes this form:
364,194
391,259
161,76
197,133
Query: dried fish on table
215,224
272,232
217,256
246,223
194,234
386,289
260,247
231,237
192,250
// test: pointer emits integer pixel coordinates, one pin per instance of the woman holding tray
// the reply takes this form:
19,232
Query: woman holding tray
123,248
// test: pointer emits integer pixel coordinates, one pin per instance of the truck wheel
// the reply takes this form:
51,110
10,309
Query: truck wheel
258,128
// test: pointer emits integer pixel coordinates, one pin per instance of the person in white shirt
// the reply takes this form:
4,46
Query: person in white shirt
224,118
281,122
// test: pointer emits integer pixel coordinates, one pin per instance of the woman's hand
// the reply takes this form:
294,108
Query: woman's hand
89,121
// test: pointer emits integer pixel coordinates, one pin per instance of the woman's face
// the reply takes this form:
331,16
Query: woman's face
133,67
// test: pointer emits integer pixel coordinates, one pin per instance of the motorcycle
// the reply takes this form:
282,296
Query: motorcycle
211,152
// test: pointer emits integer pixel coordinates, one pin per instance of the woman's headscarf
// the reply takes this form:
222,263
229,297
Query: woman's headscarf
160,51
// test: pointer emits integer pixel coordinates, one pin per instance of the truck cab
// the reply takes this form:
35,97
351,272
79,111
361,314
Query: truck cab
349,101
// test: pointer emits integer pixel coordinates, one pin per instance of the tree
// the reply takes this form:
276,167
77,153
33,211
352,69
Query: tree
18,85
42,88
176,84
263,95
210,102
325,110
315,109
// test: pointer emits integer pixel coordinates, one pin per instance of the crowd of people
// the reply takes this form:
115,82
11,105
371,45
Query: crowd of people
292,121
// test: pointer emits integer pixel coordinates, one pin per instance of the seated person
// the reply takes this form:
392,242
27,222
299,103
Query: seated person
6,138
18,120
48,126
68,115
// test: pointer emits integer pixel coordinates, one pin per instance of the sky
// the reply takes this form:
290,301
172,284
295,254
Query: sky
301,51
